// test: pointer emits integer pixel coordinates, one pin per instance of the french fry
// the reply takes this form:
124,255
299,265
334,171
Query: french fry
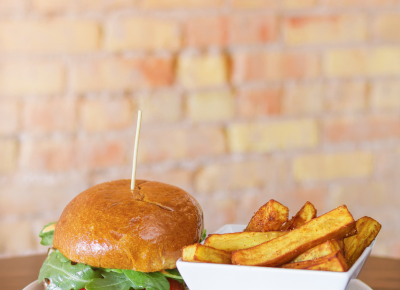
336,224
319,251
333,262
354,246
242,240
305,214
269,217
200,253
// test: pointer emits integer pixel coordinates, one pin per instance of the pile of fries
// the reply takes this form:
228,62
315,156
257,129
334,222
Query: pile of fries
331,242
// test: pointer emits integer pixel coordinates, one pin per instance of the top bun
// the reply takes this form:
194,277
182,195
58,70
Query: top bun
110,226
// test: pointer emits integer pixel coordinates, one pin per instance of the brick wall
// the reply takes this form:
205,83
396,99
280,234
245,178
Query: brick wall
243,101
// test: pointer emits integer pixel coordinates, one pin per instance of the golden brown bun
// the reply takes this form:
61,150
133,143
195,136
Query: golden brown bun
110,226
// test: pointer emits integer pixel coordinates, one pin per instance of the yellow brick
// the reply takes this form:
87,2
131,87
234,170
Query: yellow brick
333,166
251,4
56,36
165,107
325,29
369,193
258,137
303,99
368,62
9,113
39,77
142,34
211,106
385,27
8,155
201,71
52,6
240,175
296,4
385,95
101,115
169,4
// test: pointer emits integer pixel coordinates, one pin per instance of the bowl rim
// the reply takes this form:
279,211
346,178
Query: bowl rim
348,273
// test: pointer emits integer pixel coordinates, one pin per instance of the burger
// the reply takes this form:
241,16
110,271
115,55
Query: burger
112,237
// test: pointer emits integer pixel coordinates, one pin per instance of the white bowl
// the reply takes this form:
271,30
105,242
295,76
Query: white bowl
200,276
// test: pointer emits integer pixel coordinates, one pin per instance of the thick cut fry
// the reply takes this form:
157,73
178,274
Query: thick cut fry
319,251
336,224
354,246
305,214
333,262
238,241
200,253
269,217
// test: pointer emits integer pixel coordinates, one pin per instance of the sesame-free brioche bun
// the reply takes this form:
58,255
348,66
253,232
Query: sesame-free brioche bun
110,226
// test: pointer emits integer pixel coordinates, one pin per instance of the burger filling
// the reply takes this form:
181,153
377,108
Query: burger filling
59,273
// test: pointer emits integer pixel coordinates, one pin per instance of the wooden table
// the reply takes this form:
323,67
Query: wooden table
16,273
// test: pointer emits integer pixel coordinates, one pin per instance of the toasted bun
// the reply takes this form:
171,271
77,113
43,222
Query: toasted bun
110,226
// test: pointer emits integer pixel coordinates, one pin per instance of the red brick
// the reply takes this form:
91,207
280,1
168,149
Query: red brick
204,31
118,74
53,6
274,65
52,36
48,154
31,77
49,115
9,117
142,34
384,27
178,177
179,4
252,29
259,102
101,152
325,29
177,144
219,211
101,115
357,129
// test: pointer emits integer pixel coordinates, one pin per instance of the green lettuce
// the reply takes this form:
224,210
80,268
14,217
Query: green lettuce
47,237
66,275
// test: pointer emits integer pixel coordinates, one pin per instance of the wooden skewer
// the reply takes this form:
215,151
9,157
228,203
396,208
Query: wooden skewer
139,122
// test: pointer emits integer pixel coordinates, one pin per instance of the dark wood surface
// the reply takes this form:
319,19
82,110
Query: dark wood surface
16,273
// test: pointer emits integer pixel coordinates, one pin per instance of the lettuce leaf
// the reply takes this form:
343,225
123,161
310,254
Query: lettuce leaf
203,236
65,276
150,281
111,281
173,274
47,237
